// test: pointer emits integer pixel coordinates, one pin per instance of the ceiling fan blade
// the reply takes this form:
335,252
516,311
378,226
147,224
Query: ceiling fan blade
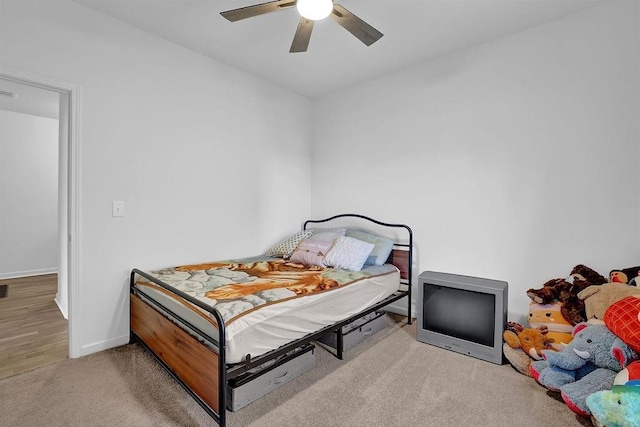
356,26
303,34
257,9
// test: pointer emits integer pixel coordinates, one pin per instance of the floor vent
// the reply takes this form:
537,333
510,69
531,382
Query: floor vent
3,291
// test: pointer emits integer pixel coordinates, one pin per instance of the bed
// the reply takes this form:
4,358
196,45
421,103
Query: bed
215,323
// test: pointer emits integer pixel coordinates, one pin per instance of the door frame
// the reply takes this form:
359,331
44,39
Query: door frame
69,203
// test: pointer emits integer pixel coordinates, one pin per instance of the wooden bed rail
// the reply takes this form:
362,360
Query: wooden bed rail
209,391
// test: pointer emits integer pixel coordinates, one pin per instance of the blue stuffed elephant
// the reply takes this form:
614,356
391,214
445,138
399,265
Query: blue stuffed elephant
588,364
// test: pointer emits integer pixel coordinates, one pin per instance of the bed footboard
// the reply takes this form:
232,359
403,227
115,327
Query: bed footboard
198,368
195,364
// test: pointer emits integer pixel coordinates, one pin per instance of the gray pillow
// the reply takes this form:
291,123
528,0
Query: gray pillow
381,250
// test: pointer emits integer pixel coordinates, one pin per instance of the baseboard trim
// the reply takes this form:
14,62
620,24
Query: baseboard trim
400,307
62,305
17,274
104,345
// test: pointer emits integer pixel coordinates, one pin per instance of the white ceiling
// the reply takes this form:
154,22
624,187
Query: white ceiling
414,31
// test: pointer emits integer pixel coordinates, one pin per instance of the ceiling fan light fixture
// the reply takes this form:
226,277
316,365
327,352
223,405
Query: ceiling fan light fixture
314,10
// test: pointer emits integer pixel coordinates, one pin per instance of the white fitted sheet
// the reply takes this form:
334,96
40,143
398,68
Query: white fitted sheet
274,325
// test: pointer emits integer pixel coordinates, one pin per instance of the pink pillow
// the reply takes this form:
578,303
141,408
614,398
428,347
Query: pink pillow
311,252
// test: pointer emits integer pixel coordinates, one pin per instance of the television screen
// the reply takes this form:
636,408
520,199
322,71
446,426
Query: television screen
460,313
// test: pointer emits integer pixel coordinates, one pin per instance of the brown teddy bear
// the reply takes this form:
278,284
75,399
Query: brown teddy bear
560,290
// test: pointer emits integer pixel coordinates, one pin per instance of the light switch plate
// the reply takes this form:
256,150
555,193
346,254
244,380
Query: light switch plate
117,208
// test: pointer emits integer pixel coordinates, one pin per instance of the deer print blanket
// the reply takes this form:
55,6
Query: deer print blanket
237,287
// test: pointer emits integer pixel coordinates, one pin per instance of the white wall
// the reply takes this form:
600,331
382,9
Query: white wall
198,151
28,194
499,157
515,160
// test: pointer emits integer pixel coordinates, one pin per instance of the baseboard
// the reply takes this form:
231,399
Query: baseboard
17,274
104,345
62,305
400,307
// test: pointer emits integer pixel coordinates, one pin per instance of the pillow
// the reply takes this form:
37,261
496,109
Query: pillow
382,249
348,253
327,234
339,230
311,252
623,319
285,247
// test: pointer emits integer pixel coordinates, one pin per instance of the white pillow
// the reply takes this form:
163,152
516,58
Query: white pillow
348,253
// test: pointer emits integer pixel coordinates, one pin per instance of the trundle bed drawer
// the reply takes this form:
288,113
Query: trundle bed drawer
251,386
357,331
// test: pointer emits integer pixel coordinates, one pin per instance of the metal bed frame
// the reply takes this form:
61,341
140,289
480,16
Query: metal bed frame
402,258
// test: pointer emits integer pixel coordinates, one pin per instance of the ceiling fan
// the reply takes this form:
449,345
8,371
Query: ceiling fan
310,11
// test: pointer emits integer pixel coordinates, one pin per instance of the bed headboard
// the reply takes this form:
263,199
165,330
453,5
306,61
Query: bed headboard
402,254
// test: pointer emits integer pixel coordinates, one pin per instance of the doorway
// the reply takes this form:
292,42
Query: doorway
29,156
68,194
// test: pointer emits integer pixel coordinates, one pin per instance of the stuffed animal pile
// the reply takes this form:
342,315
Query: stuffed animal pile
584,343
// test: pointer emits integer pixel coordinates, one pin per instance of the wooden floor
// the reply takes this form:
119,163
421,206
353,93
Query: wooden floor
33,332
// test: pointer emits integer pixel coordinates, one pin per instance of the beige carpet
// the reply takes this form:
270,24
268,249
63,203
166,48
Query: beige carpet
390,380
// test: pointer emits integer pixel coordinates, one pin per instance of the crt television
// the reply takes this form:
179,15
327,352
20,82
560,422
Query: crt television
463,314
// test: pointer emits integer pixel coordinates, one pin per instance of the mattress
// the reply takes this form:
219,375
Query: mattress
270,326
